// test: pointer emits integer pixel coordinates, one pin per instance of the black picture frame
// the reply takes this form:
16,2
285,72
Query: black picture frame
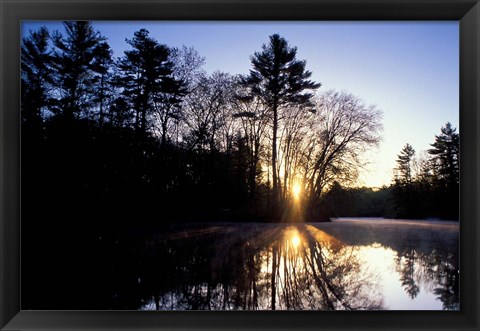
12,12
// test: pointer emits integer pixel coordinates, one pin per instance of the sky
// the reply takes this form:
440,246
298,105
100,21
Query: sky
409,70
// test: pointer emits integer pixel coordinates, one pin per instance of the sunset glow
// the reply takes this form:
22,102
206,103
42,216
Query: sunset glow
296,189
295,241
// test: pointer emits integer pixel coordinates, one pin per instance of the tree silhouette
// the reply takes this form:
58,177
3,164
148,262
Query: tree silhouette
340,130
206,109
148,82
187,64
37,78
103,78
429,186
405,162
279,79
445,155
254,120
407,270
406,204
75,62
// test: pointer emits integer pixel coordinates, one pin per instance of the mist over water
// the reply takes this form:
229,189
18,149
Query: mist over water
347,264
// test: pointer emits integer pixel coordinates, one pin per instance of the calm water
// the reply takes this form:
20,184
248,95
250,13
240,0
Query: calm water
346,264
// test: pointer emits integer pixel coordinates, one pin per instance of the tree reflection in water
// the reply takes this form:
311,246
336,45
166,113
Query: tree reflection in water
345,264
437,270
287,267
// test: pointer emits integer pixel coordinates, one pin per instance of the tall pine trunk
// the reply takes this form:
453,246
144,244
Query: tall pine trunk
275,202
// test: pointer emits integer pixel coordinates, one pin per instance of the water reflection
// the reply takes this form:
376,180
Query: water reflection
342,265
291,267
437,272
301,267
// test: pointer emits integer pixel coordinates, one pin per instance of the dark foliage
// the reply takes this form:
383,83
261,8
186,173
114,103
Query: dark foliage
113,149
357,202
432,189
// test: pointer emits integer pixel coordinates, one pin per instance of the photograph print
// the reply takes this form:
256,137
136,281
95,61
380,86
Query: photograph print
207,165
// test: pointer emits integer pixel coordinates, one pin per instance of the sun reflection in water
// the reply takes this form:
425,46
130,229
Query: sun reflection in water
293,237
307,266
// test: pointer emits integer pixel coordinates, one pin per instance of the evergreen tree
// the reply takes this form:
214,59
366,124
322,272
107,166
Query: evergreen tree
76,62
36,56
405,163
148,82
445,156
405,202
103,79
119,112
279,79
167,102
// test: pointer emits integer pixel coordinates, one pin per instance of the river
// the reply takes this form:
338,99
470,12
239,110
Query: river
346,264
359,264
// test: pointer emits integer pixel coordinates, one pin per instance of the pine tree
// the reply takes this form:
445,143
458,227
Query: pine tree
75,63
403,191
36,75
405,163
279,79
148,82
103,78
446,154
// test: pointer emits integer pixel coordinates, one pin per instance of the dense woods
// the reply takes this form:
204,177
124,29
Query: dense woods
150,136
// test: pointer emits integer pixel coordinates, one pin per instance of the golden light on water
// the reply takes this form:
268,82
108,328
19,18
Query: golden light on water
293,237
324,238
295,241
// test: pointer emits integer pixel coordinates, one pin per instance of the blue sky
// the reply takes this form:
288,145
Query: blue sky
410,70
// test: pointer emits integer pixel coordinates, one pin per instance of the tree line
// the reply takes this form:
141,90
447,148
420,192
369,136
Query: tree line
151,135
423,186
428,185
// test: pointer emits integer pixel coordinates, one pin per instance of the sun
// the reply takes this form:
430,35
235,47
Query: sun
296,189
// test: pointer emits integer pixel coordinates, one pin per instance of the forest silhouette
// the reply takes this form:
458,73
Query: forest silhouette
118,150
150,137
